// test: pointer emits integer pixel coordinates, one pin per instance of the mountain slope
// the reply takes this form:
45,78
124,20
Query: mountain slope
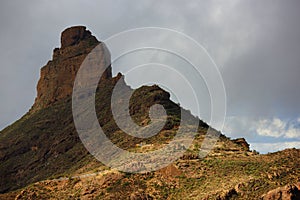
44,142
44,145
220,177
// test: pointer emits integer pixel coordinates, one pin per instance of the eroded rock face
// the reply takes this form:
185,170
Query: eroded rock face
288,192
58,75
243,143
74,35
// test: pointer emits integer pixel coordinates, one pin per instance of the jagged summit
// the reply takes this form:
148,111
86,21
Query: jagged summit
58,75
73,35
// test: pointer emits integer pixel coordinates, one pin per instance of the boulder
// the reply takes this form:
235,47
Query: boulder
288,192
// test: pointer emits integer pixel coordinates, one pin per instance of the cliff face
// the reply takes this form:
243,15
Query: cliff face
58,75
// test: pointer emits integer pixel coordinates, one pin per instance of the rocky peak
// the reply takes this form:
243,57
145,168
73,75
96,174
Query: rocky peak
58,75
73,35
243,143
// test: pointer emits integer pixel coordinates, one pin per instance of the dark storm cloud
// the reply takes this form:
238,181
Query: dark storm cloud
264,80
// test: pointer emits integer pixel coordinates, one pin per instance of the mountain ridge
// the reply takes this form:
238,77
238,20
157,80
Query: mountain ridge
44,145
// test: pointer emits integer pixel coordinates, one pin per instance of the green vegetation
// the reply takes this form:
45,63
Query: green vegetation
44,145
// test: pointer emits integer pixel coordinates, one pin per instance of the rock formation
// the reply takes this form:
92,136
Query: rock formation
242,142
42,156
288,192
58,75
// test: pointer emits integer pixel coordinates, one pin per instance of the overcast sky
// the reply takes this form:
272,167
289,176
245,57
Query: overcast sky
255,45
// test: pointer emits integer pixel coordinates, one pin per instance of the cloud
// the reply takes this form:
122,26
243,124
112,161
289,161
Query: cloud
278,128
239,126
274,128
266,130
272,147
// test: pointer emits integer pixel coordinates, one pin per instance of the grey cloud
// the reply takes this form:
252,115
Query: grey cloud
272,147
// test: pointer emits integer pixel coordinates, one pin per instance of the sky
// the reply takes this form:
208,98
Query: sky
254,44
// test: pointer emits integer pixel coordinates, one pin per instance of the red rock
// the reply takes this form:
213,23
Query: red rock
74,35
288,192
58,75
242,142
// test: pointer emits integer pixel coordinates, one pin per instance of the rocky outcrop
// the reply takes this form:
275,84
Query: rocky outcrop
288,192
242,142
170,172
73,35
58,75
227,194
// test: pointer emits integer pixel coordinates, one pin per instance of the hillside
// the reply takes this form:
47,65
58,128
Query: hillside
42,156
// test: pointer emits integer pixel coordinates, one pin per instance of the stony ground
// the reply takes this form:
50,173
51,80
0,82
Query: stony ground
231,174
